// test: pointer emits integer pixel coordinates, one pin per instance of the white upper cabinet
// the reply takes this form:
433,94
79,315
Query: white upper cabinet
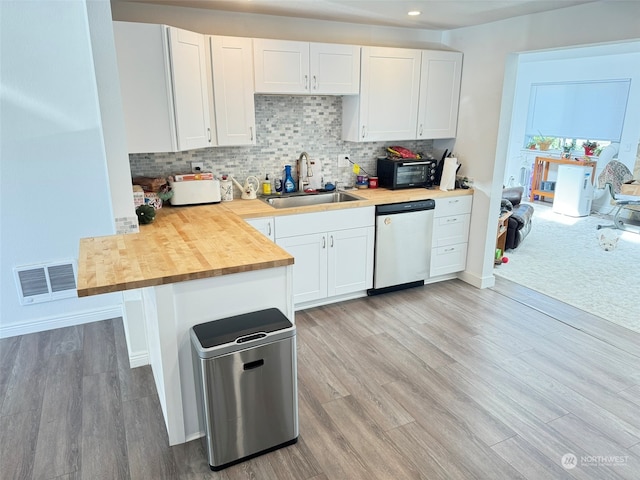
439,94
405,94
163,81
233,105
289,67
387,107
335,69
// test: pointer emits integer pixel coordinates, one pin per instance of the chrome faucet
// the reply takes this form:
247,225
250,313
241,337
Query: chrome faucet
309,171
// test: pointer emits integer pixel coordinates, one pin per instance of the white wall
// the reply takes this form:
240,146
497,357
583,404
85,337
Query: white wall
484,118
112,116
53,171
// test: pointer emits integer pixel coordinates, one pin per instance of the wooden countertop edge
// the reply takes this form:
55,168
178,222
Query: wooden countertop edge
184,277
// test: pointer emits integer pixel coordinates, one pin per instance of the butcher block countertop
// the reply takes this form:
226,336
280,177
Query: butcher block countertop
189,243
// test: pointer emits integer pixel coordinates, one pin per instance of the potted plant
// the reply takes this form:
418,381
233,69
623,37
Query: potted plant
567,148
589,147
543,142
531,145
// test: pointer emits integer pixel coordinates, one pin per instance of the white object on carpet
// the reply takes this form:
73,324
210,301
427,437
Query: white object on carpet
562,258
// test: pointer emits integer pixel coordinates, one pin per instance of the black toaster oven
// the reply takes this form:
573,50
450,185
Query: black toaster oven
396,173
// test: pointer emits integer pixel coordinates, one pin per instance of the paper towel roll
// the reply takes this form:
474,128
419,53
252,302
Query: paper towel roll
448,180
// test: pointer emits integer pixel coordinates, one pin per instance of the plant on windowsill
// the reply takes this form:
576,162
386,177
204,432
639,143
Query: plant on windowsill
589,147
543,142
567,148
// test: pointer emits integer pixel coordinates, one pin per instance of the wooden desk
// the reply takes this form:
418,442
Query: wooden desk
501,236
541,171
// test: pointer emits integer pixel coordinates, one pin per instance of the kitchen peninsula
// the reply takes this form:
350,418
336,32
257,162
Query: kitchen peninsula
193,265
197,264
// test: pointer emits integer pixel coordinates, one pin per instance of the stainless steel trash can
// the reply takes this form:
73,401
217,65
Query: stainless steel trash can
246,369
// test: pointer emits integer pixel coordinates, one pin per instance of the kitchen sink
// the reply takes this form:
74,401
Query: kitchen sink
306,199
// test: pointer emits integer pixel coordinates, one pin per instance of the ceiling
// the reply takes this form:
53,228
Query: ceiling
436,14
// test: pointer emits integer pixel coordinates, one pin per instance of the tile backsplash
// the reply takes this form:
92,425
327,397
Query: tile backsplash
285,127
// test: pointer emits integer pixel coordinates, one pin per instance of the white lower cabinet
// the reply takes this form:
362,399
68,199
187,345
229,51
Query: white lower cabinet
333,252
452,217
264,225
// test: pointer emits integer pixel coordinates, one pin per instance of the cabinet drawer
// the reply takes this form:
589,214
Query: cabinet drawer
453,205
451,230
449,259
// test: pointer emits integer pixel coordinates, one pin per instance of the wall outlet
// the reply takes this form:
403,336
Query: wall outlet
343,160
197,167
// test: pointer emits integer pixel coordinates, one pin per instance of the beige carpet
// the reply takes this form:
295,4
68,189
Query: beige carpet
562,258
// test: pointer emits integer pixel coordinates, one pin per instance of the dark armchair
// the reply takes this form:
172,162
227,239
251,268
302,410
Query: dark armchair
520,219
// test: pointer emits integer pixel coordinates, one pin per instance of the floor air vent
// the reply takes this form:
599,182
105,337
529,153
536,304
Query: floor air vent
46,282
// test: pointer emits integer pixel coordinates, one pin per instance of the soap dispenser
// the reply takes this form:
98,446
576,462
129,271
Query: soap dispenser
289,184
266,185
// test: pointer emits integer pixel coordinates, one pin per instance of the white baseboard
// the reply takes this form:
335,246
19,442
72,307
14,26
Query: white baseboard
476,281
139,360
50,323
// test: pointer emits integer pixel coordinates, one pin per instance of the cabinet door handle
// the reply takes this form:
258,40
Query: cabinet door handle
421,130
251,133
315,83
363,131
324,242
455,219
449,249
331,242
269,228
306,82
209,134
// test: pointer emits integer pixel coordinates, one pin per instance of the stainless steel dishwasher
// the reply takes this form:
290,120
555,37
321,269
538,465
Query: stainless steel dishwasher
403,245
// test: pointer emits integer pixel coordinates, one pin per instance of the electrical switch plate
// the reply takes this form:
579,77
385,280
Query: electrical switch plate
343,160
197,167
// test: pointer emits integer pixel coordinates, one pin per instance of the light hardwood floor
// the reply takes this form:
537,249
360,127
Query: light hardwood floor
440,382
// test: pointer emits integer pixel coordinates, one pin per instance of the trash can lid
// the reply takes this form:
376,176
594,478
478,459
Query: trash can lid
227,330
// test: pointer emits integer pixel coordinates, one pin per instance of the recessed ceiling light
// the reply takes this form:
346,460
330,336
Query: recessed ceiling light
413,13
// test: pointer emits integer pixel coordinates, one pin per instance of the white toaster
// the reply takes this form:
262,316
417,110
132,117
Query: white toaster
195,192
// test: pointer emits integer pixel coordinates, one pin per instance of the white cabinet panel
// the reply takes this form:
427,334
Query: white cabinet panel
264,225
350,267
288,67
334,69
387,107
452,218
231,62
440,77
191,98
405,94
310,266
281,66
449,259
333,251
164,90
451,230
453,205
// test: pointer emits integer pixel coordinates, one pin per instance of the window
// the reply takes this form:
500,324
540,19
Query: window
576,110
